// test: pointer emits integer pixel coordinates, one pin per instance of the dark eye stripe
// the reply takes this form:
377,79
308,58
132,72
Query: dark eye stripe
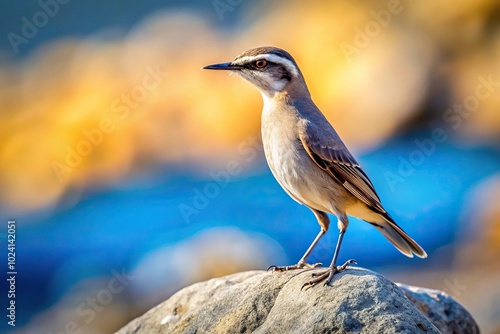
285,74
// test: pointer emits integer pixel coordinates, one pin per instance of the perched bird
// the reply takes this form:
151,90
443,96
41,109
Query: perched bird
308,158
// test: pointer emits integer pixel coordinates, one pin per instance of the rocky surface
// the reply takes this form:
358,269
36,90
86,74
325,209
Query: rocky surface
442,310
358,300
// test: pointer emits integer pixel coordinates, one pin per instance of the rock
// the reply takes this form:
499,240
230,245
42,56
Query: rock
442,310
358,300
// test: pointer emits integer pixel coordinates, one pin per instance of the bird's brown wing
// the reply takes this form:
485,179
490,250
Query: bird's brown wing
332,156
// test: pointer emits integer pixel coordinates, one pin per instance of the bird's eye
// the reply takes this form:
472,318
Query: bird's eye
261,63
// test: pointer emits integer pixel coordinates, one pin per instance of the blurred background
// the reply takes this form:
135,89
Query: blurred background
132,173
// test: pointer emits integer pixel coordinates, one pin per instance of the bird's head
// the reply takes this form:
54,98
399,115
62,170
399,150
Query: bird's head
271,70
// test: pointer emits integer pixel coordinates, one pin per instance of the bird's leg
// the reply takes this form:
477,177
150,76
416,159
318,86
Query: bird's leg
302,262
333,268
324,222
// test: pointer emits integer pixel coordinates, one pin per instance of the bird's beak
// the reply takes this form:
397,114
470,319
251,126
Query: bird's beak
223,66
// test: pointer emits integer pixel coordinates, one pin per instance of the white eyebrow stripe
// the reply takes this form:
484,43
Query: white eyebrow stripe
271,58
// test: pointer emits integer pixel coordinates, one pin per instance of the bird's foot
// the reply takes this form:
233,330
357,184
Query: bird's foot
300,265
327,275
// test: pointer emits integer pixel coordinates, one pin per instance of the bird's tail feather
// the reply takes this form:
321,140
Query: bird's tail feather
402,241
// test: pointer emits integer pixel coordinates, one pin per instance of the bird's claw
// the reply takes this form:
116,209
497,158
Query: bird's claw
299,265
327,274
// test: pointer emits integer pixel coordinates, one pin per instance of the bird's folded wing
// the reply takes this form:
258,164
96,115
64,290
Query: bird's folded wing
332,156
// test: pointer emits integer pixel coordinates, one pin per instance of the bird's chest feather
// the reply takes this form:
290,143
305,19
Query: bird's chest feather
283,150
283,159
289,162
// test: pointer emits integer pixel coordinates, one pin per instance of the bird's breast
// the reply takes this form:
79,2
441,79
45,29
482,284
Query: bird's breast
282,147
292,167
283,159
286,158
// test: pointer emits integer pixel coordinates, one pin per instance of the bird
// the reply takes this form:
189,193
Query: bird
309,159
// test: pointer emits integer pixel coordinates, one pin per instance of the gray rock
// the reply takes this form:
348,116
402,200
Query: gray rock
358,301
443,311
